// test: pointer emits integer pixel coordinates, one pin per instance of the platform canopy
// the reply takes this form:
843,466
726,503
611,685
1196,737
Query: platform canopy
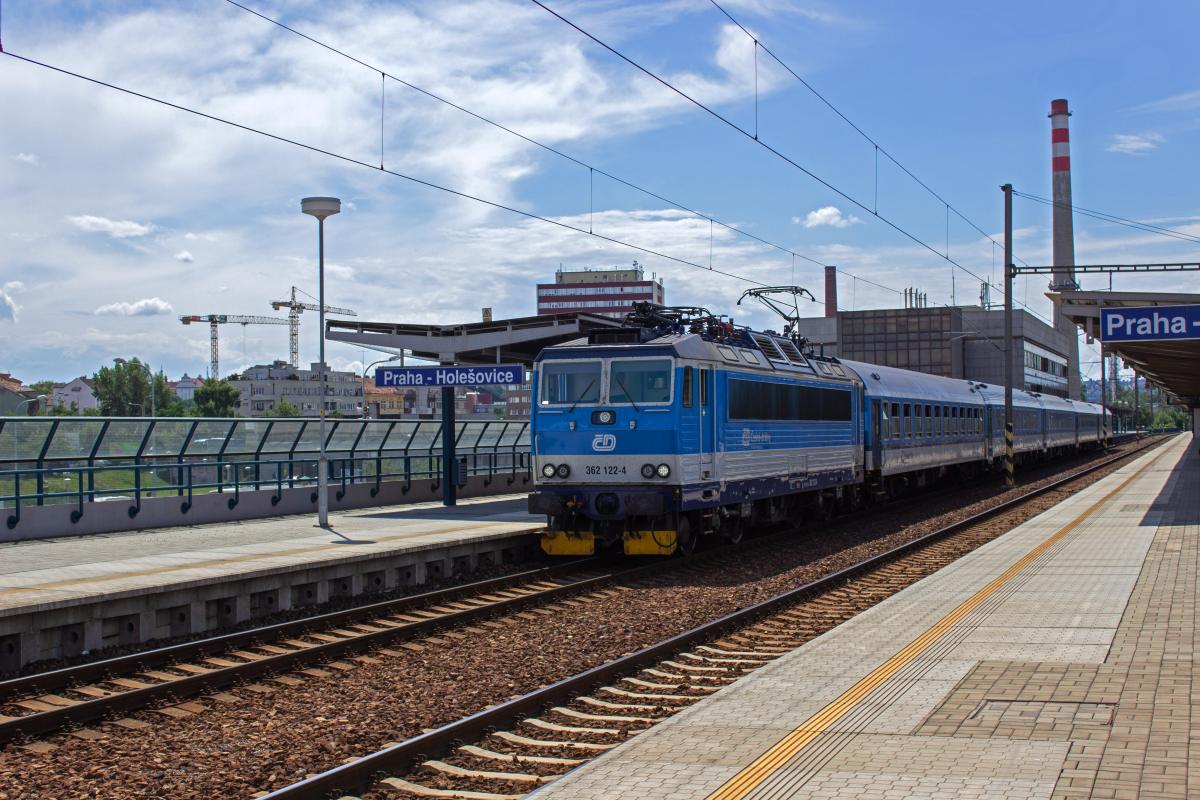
507,341
1172,364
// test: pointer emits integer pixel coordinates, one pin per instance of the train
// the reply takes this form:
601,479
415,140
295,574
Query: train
679,426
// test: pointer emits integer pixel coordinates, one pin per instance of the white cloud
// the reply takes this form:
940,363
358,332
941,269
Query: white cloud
118,229
826,215
340,271
28,158
1184,101
8,306
146,307
1134,144
185,256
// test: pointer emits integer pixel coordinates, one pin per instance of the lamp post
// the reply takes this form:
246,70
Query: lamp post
25,404
366,369
321,207
1009,478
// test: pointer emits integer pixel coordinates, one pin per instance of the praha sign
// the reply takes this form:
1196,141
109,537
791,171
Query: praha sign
494,375
1149,324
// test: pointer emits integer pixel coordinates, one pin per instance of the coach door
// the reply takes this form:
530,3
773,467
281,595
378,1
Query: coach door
876,435
708,424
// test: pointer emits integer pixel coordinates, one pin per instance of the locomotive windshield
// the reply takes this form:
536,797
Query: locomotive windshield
570,382
646,380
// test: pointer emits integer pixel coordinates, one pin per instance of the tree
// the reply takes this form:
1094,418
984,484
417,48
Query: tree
123,389
284,408
43,387
63,410
216,398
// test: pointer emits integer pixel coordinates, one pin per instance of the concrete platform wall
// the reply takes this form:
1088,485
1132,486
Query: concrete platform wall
52,521
184,609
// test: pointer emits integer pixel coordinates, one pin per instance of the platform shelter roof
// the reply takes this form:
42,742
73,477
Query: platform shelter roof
1174,366
504,341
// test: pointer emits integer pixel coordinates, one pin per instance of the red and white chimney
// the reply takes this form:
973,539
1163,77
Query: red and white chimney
1060,165
831,291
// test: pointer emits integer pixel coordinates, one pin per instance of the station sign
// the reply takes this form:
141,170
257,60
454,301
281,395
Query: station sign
1149,323
491,375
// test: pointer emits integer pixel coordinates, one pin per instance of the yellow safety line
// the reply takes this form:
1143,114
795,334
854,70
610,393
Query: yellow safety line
746,781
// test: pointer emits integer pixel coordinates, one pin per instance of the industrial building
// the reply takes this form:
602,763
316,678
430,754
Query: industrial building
953,341
608,292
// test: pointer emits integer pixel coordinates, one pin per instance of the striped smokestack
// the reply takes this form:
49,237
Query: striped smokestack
1064,236
1060,165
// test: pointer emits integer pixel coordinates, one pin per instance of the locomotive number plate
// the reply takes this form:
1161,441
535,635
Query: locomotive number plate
607,469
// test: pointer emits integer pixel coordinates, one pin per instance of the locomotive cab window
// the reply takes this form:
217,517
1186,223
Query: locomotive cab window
643,380
568,382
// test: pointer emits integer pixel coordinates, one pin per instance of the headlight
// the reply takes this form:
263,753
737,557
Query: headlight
664,471
606,417
647,471
548,471
563,471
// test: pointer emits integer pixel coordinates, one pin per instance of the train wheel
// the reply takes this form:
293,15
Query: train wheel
733,530
685,536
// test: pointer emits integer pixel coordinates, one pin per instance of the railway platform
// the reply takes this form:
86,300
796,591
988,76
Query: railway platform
64,597
1057,661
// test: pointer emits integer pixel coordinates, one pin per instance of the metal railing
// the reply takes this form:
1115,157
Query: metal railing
83,460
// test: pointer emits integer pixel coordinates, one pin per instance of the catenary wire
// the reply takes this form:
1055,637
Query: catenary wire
1100,215
778,154
351,160
528,139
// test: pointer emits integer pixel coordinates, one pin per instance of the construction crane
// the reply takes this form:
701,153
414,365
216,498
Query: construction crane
294,308
214,320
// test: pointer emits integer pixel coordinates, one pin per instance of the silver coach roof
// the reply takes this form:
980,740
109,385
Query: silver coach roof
895,382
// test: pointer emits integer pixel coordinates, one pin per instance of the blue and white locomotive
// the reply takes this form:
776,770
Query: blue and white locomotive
680,425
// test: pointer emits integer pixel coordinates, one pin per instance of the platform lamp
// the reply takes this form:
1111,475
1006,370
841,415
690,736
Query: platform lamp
321,207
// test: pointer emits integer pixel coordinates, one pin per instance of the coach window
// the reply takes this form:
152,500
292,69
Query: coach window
687,387
907,421
937,421
895,420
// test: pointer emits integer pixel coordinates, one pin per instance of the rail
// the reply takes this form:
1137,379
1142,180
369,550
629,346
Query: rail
80,461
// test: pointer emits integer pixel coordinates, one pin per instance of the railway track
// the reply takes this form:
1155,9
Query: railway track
528,741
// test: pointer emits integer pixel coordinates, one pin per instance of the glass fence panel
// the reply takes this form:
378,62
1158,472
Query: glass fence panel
491,435
75,438
427,436
282,437
246,437
209,437
23,440
344,435
123,438
372,437
512,430
523,436
310,440
401,435
168,437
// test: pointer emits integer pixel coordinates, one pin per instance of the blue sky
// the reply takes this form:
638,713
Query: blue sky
119,215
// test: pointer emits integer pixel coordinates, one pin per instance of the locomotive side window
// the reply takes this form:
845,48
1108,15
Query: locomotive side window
643,380
704,373
758,400
570,382
687,387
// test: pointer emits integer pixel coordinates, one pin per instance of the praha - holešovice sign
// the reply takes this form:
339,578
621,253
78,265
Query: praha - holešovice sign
493,375
1149,323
